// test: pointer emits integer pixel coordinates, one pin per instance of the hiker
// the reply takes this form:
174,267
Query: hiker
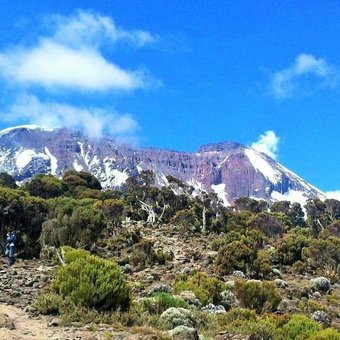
11,244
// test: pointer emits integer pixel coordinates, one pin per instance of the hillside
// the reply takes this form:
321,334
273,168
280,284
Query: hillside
145,263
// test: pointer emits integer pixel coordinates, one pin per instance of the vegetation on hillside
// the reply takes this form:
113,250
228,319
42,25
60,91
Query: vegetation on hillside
252,239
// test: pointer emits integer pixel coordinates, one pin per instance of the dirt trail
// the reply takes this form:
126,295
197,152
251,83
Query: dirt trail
17,324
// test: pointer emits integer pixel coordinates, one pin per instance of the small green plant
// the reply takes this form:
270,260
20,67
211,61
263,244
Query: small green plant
160,302
257,295
91,282
48,304
326,334
297,328
207,289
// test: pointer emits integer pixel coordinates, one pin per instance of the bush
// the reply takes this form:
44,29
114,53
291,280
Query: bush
241,321
297,328
144,254
324,254
91,282
48,304
326,334
257,295
160,302
233,256
207,289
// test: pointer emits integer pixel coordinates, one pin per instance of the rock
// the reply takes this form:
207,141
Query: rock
160,288
316,296
280,283
228,299
184,333
232,336
190,298
321,284
127,269
213,309
322,317
239,273
277,273
54,323
174,317
186,271
150,278
283,306
6,321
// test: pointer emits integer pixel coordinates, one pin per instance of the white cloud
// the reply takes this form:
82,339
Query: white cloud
93,121
268,144
333,194
94,30
72,57
306,72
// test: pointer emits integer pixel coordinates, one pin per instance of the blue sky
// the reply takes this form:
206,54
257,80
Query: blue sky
179,74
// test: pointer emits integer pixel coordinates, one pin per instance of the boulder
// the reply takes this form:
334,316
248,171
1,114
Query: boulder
239,273
214,309
160,288
321,317
321,284
280,283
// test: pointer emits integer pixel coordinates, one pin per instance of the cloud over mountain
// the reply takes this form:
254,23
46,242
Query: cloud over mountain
72,56
267,143
306,74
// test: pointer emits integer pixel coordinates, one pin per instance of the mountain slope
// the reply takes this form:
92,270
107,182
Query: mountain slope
231,170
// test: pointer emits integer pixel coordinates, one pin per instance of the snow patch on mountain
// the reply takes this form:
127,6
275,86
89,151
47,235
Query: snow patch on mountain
261,165
119,177
3,155
292,196
28,127
23,158
54,161
219,190
77,166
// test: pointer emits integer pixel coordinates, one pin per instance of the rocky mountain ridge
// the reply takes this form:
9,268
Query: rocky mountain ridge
229,169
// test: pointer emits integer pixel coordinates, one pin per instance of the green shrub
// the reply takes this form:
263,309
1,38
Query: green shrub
91,282
240,321
144,254
326,334
257,295
48,304
160,302
233,256
297,328
207,289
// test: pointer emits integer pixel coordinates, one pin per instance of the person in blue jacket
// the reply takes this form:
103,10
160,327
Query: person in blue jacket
11,245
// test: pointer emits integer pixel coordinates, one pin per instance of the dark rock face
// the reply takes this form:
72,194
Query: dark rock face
230,169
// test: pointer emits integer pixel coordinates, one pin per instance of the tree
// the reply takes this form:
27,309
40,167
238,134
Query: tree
45,186
75,179
292,210
317,216
250,204
270,225
7,180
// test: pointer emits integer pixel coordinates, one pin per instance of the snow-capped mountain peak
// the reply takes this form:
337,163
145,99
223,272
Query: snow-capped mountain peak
231,170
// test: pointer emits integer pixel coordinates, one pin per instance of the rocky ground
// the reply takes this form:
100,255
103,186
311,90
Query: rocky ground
22,283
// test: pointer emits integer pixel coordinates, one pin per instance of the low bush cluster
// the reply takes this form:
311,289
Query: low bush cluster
87,281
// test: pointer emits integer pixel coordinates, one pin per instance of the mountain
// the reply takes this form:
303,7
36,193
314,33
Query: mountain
229,169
